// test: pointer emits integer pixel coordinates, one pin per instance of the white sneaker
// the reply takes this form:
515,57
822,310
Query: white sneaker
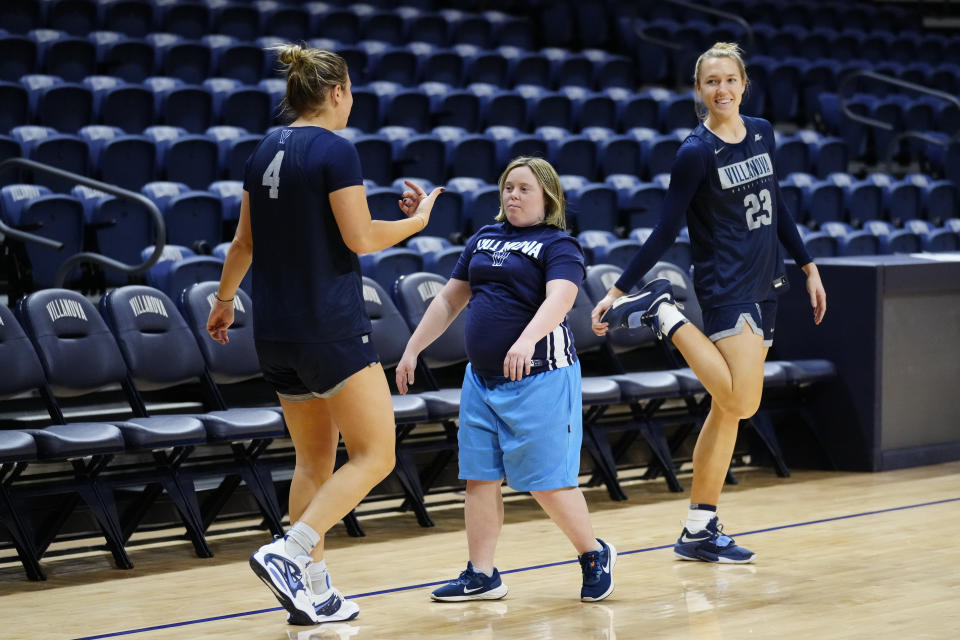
329,605
286,577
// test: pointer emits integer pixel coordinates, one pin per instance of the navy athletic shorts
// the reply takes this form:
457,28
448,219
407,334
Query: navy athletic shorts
302,371
722,322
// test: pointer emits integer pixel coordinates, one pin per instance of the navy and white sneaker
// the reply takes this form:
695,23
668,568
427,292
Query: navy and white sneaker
328,603
471,585
597,567
639,308
711,545
286,577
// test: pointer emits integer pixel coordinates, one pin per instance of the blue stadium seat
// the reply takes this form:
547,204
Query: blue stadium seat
827,154
902,199
64,151
657,151
483,66
126,160
386,266
119,104
569,153
16,106
178,57
118,55
287,21
611,70
423,155
820,244
592,205
191,216
792,155
235,145
500,107
527,67
76,17
180,268
469,154
58,217
436,64
511,142
424,26
439,255
862,200
230,193
616,154
376,154
242,21
69,57
239,105
390,63
468,28
116,227
452,107
183,157
189,19
677,112
591,108
18,56
509,30
571,69
65,106
545,107
232,58
481,201
182,105
132,17
941,198
10,148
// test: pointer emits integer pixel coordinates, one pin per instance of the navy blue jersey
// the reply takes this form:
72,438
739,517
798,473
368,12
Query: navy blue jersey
735,215
508,269
306,282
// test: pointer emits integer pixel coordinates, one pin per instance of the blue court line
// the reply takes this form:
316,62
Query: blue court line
531,568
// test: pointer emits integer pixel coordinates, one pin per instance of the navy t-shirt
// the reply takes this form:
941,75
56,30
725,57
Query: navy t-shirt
508,269
730,199
306,283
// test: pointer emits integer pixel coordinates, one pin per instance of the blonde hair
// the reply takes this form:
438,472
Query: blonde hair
554,204
720,50
311,74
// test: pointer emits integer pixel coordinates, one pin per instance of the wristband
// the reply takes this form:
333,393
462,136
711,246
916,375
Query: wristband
219,299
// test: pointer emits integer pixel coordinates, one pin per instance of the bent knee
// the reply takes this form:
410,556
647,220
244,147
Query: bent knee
739,407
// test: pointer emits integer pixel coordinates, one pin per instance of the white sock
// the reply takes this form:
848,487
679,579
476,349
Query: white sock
319,576
670,319
301,539
489,574
698,516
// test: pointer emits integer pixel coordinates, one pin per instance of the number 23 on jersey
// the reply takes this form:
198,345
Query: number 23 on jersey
755,203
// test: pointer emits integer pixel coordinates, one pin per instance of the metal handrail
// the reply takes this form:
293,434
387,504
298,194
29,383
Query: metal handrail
641,32
886,126
159,228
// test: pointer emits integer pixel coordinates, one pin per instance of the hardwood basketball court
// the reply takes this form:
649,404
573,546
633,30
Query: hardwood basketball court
839,555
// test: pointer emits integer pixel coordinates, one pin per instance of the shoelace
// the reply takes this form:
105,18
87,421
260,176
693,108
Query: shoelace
590,564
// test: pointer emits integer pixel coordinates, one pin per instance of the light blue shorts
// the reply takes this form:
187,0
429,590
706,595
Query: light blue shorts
528,431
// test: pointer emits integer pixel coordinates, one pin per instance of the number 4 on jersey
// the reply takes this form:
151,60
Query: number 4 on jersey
754,205
271,177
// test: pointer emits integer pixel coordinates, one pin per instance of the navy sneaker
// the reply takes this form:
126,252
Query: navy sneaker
471,585
711,545
639,308
285,577
597,567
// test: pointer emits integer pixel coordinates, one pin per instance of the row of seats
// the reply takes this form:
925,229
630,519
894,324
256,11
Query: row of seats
49,101
294,21
133,59
879,237
170,153
856,14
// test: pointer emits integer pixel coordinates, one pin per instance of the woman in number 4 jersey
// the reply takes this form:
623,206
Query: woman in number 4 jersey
723,185
303,219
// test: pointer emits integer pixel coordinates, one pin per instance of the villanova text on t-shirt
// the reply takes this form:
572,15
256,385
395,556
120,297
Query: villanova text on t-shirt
740,173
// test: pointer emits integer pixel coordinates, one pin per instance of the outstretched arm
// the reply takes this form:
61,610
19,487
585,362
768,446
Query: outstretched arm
443,309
